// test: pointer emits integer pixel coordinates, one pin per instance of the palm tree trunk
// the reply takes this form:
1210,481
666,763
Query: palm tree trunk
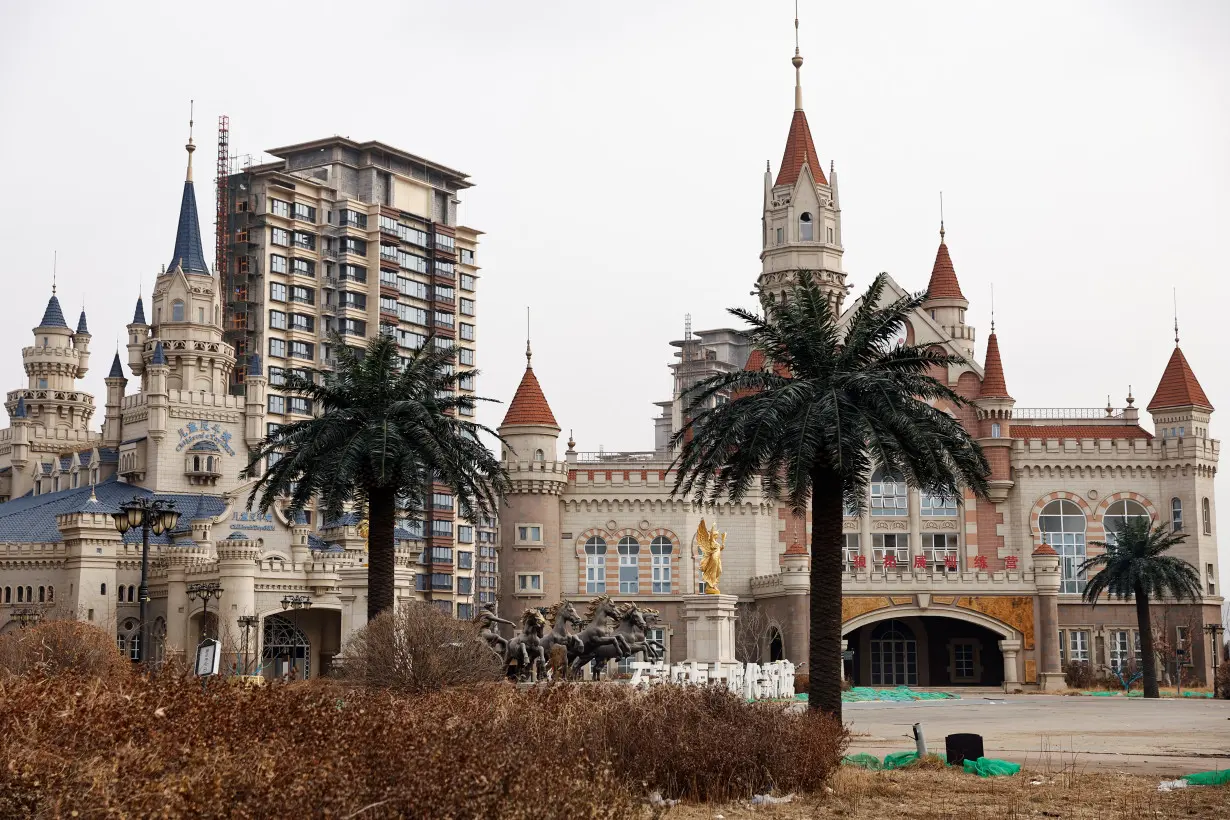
824,649
1144,624
381,513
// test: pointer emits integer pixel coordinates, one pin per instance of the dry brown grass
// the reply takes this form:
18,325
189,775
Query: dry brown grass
418,649
57,647
912,794
170,746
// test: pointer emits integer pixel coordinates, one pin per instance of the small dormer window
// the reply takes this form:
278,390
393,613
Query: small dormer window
539,455
805,228
177,311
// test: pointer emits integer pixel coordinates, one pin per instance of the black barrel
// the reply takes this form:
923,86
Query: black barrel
963,747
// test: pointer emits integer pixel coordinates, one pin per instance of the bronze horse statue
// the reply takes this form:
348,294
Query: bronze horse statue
526,649
598,633
632,627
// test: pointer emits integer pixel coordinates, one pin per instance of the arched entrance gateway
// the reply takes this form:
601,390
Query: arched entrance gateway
905,646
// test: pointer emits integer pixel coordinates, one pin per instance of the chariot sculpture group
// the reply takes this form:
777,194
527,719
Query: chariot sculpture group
557,642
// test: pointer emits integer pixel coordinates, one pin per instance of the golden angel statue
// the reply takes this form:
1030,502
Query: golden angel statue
362,531
711,543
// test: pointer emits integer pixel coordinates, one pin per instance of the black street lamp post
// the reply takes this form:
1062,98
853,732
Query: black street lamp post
204,591
296,602
1214,631
145,514
247,623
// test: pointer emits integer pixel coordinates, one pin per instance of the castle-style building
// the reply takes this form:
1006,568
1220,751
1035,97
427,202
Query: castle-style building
172,430
940,593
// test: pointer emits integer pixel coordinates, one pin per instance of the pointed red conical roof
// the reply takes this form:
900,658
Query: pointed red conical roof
993,384
529,405
1178,387
798,146
944,284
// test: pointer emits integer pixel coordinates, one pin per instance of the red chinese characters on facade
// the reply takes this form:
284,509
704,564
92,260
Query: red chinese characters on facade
1010,562
920,562
860,562
980,562
950,562
890,561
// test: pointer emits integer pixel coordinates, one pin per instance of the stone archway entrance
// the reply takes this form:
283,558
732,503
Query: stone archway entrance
777,647
940,648
286,652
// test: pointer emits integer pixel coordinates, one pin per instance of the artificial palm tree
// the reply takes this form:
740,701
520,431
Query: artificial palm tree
834,404
383,432
1134,565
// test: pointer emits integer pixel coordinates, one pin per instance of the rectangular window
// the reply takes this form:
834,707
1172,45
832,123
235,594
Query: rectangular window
302,239
445,293
277,264
354,273
467,256
441,501
277,320
1119,649
388,304
962,654
889,497
529,534
442,581
467,306
1071,549
465,560
629,574
1063,648
465,611
830,236
944,555
305,213
301,350
303,267
780,238
529,582
280,236
277,404
465,355
300,405
445,241
850,550
1078,646
357,301
277,348
465,586
465,534
467,281
411,262
1209,579
933,506
466,332
894,546
444,319
277,292
271,427
303,295
441,529
279,208
466,382
352,327
300,321
355,246
348,217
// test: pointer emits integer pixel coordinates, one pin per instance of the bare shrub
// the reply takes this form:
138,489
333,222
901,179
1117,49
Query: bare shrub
802,683
1222,686
62,647
329,750
1079,675
418,649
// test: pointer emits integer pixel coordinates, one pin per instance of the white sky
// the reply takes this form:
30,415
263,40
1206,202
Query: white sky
618,152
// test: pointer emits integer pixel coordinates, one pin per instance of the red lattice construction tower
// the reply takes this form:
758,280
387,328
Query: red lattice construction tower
220,220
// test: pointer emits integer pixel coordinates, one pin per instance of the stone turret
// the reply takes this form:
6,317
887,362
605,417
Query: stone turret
945,301
138,333
530,520
113,425
53,364
156,391
995,422
81,343
254,402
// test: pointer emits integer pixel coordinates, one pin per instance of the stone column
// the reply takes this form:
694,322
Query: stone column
711,627
1012,673
845,644
1046,578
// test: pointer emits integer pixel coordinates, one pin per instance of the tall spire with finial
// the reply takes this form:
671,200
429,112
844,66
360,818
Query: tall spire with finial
189,254
529,354
1175,296
190,147
529,405
55,264
992,307
941,217
799,145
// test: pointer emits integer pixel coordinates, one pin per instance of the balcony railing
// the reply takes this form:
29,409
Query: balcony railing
603,458
1067,413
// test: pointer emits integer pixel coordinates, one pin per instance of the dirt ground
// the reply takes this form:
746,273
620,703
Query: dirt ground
1065,790
1167,737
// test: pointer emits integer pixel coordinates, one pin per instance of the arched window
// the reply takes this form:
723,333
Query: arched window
102,590
894,655
121,593
29,595
51,594
660,551
805,228
1118,514
629,565
42,595
21,595
1206,515
8,595
995,429
539,455
888,494
128,638
1176,514
935,506
287,651
1063,528
132,593
595,564
177,311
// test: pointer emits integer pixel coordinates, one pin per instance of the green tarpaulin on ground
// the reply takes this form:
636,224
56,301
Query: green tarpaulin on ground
863,761
990,767
1220,777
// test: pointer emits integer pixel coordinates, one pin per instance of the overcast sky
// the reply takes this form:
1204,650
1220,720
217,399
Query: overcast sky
618,152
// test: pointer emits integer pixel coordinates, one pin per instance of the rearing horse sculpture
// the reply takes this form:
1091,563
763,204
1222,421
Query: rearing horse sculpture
633,623
560,616
598,632
526,648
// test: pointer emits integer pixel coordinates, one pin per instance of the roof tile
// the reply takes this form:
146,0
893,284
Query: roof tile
529,405
1078,431
799,145
944,284
1179,387
993,384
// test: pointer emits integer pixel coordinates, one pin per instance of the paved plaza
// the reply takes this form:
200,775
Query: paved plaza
1168,736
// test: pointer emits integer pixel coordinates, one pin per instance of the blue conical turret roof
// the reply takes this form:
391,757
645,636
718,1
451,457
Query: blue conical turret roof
53,316
117,369
20,411
189,252
138,315
159,356
81,325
